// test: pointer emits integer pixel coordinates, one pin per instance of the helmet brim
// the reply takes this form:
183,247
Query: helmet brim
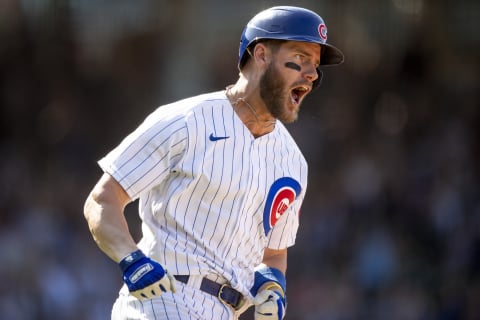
331,55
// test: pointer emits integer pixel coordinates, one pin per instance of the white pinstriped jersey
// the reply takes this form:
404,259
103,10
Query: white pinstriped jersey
211,196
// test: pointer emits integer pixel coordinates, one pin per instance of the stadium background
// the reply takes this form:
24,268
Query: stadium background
390,228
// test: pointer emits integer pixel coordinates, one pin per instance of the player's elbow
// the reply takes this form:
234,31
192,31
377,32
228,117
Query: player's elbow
91,210
107,195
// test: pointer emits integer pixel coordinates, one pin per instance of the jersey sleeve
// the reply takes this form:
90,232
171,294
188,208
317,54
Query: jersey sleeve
144,158
283,234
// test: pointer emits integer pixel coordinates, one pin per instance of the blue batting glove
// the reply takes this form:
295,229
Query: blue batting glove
144,277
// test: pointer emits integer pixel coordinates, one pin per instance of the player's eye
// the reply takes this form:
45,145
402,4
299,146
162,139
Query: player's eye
304,60
299,57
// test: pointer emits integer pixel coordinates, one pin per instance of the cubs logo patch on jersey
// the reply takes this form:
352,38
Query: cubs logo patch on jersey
281,194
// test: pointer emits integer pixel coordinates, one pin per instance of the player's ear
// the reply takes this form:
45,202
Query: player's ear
261,54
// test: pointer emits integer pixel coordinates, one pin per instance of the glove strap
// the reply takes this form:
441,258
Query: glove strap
130,259
268,274
276,287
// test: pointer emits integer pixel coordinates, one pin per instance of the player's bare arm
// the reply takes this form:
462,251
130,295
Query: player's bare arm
104,212
276,259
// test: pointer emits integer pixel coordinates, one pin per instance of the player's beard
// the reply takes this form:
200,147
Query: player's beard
272,92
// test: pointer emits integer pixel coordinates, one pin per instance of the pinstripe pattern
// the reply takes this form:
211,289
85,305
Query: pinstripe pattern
202,202
186,304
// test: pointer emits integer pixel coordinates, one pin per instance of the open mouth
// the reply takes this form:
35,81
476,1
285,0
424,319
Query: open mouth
297,93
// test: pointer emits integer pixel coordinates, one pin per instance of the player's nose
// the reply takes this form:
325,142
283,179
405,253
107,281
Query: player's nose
310,73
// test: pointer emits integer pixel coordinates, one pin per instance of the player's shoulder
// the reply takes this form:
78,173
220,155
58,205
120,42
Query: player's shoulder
192,104
209,98
288,141
188,106
285,135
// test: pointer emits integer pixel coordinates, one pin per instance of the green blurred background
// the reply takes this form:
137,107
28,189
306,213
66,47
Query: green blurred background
390,228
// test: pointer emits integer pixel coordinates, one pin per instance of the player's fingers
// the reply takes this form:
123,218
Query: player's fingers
263,296
167,283
139,294
172,282
267,308
151,291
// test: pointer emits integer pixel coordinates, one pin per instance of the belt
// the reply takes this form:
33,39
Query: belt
223,292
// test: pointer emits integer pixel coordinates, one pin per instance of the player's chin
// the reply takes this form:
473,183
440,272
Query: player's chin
290,115
291,108
290,120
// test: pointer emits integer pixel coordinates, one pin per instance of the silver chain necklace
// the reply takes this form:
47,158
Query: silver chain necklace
262,123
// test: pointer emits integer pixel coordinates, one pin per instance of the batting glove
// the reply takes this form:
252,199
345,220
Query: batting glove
144,277
269,305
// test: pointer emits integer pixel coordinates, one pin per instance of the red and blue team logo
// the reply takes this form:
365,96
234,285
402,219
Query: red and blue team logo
322,31
281,195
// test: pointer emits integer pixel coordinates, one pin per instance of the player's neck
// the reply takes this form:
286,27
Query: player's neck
252,111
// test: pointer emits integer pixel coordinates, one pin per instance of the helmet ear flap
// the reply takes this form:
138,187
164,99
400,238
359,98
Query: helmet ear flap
246,54
318,81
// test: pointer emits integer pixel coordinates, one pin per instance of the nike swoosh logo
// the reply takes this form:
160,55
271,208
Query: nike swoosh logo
214,138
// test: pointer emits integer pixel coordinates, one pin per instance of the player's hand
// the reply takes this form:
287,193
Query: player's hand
269,305
144,277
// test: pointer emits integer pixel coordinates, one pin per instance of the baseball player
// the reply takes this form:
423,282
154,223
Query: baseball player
220,182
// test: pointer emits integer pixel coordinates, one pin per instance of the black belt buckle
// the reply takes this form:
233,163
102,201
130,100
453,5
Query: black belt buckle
219,295
235,306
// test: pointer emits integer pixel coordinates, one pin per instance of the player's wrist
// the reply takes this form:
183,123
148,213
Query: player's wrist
131,259
266,276
139,271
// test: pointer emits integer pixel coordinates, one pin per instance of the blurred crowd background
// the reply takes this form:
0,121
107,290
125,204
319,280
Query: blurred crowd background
390,228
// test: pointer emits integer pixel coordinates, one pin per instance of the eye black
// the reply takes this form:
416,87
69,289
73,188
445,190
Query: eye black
293,66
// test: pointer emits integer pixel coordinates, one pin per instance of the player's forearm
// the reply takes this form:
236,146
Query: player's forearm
104,212
111,235
276,259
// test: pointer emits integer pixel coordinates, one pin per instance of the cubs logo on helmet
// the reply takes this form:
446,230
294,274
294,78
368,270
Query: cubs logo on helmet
281,195
322,31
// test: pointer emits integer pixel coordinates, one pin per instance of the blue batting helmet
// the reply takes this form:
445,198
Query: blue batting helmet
288,23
